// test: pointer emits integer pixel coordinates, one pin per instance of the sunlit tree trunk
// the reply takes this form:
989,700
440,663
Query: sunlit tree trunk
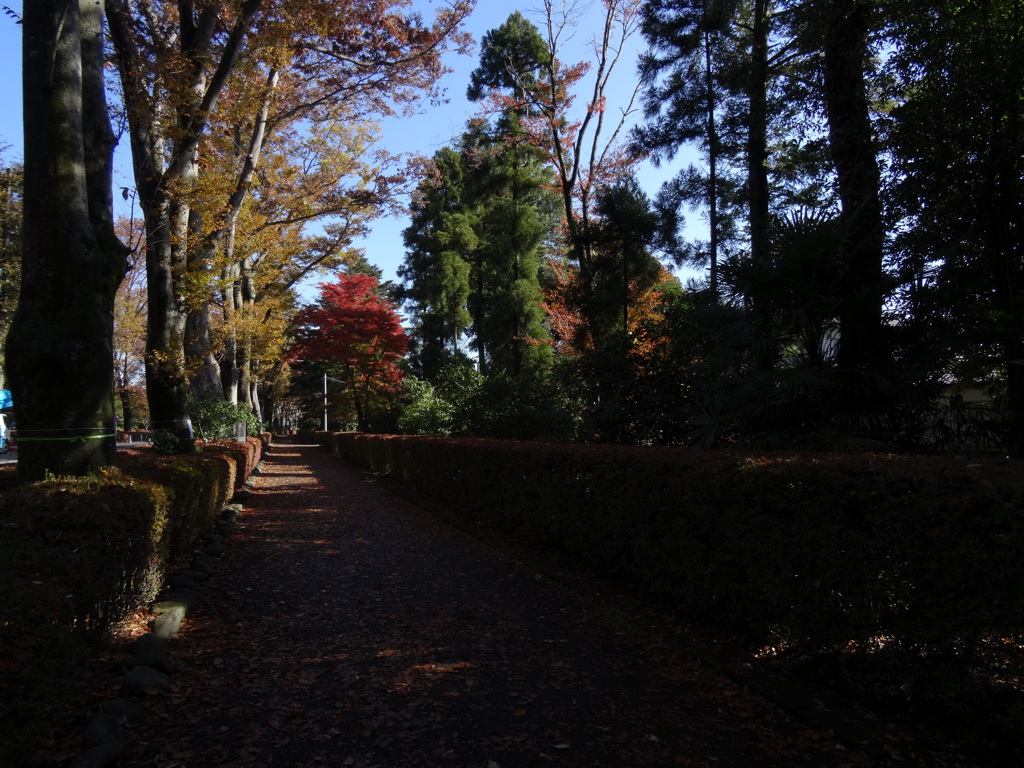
229,359
247,304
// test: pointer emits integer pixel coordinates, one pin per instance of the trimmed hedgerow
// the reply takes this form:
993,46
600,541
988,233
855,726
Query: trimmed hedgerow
78,555
812,548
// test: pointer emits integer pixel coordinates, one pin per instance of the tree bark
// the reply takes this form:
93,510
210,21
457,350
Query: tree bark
231,299
159,164
757,175
1002,218
858,179
60,347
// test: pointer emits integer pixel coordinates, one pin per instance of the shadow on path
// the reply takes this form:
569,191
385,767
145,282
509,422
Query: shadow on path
346,626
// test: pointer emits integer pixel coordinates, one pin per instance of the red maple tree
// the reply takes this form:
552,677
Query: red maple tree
355,332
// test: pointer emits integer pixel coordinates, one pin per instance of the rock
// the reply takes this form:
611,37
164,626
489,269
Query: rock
224,527
129,710
166,600
201,561
180,581
150,644
146,680
97,757
104,728
229,516
212,547
199,577
154,659
167,625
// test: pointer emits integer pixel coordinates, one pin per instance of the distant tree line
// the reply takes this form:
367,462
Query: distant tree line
858,180
849,179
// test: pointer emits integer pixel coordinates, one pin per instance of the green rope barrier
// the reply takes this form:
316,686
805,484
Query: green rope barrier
78,438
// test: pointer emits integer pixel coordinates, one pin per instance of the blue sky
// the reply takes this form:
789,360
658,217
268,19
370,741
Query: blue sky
423,134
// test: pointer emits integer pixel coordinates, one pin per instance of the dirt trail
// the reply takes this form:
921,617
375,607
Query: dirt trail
346,626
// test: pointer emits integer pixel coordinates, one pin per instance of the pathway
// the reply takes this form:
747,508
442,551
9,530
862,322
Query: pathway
346,626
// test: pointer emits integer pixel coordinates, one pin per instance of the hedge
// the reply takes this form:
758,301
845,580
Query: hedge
825,548
78,555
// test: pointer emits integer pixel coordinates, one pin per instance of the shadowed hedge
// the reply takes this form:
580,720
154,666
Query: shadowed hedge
913,565
78,555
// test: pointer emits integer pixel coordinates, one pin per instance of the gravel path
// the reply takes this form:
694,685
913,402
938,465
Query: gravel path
346,626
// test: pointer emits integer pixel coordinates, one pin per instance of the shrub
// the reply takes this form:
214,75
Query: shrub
79,554
214,418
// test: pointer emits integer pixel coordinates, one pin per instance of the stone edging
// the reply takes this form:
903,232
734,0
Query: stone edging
149,667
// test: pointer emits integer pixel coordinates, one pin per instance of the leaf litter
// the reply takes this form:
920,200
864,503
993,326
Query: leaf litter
347,626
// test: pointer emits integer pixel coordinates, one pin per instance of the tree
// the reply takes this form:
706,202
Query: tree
178,62
521,77
685,92
59,349
266,251
130,327
956,78
511,188
354,334
858,180
12,179
439,243
167,116
737,80
474,254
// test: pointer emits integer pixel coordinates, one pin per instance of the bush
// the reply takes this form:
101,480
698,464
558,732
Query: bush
78,555
214,418
809,551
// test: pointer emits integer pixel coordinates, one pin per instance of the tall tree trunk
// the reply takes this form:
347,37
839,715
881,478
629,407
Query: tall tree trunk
757,135
229,360
128,423
1001,215
206,377
203,368
60,346
713,152
159,164
165,325
247,304
858,179
757,173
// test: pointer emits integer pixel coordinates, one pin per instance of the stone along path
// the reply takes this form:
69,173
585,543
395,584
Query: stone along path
346,626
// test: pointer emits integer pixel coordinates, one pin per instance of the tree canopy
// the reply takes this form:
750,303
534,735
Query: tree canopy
852,186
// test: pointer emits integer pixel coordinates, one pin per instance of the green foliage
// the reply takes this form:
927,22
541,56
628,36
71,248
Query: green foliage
11,178
214,418
510,58
463,403
424,410
166,443
473,256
